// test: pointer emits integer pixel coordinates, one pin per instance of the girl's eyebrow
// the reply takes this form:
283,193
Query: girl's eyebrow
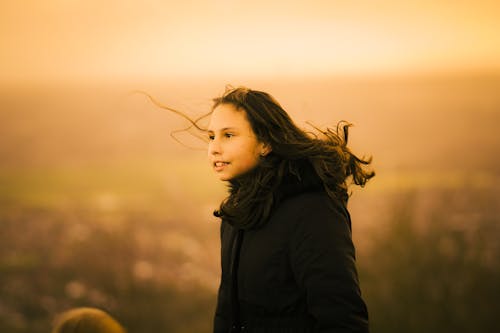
223,129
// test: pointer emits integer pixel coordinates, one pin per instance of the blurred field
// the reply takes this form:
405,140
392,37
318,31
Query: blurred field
99,206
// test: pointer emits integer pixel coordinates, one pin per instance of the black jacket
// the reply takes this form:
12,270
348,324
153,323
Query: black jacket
295,274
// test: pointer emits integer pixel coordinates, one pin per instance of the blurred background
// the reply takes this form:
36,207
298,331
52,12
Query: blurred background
100,206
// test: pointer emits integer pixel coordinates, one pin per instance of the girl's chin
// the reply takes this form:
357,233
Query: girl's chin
224,177
236,177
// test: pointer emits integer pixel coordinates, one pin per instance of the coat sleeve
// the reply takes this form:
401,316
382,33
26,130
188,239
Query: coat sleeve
221,318
323,261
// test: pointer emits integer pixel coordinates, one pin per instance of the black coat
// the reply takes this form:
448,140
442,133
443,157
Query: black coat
295,274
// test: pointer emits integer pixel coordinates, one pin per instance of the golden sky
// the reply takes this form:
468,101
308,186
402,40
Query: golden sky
162,38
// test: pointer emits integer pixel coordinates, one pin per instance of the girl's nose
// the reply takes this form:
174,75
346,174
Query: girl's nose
214,147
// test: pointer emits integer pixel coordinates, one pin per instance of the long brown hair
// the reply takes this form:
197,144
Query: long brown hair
322,159
294,153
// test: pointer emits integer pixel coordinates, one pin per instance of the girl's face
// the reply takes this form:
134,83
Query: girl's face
233,148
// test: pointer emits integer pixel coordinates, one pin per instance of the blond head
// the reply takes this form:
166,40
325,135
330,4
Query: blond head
86,320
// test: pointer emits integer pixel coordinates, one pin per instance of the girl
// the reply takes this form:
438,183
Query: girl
288,261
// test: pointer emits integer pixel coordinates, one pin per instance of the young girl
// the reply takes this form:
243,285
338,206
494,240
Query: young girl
288,261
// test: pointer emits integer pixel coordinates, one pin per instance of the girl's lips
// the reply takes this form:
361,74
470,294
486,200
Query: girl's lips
219,166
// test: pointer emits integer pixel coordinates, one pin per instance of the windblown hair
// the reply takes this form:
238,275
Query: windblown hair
294,156
253,195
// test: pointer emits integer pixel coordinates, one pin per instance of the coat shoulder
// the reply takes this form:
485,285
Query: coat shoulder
312,206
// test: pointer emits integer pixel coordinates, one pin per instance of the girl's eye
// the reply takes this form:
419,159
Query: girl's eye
211,137
228,135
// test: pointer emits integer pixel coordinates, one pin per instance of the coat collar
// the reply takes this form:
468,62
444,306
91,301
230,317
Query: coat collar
301,178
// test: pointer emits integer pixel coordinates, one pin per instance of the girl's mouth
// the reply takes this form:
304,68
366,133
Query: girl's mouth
218,166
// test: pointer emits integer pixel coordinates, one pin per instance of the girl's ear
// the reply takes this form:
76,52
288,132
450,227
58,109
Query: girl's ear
266,149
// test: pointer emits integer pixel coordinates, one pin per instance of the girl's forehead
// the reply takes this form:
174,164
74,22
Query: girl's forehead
227,116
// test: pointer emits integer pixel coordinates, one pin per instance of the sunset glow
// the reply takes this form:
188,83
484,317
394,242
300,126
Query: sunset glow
89,39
